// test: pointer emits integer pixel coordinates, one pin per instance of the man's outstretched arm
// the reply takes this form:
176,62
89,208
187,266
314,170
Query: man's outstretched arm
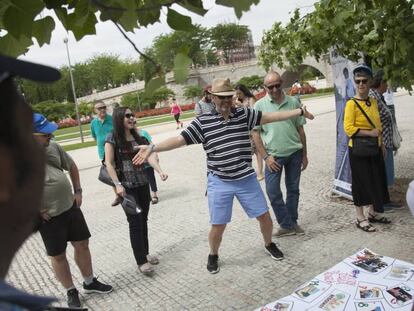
166,145
268,117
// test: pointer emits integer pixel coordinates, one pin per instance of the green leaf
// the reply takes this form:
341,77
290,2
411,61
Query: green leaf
79,31
410,28
53,4
153,85
42,30
149,17
178,21
14,47
239,6
181,66
128,20
195,6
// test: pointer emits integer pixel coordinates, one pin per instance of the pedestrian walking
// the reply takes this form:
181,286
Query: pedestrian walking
176,112
283,147
131,183
224,134
62,218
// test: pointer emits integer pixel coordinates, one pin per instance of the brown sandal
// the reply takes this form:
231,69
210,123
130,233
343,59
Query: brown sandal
381,220
366,228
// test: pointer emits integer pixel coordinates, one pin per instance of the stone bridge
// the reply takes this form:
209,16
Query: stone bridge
205,75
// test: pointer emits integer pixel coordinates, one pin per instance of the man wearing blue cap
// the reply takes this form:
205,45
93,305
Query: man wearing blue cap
62,217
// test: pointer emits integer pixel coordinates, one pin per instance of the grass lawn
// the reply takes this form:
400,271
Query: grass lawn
79,145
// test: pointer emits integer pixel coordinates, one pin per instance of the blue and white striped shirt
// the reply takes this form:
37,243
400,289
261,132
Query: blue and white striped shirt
227,143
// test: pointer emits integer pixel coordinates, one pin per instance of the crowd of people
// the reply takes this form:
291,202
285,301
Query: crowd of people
229,123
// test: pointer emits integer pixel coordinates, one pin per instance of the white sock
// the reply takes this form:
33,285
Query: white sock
88,280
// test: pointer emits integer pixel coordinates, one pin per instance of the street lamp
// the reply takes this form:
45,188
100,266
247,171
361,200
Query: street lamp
73,91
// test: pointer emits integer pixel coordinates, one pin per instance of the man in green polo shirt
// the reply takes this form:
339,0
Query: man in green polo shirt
283,146
101,126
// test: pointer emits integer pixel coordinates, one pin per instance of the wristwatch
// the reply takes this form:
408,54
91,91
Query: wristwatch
78,190
265,158
117,183
301,111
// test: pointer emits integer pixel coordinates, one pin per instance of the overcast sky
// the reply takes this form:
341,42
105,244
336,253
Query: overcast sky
109,40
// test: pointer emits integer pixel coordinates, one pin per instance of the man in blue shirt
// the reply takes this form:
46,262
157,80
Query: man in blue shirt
101,126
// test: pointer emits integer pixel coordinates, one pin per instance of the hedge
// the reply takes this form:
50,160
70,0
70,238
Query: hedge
161,111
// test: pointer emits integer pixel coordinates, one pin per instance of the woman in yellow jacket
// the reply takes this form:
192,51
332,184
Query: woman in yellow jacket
369,185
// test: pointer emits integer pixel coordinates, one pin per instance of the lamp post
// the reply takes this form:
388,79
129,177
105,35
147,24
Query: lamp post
73,91
138,99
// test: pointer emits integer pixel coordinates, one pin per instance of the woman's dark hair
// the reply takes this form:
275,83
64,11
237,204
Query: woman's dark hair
244,89
118,117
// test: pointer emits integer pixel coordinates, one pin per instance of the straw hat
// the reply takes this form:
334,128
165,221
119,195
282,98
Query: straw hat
222,87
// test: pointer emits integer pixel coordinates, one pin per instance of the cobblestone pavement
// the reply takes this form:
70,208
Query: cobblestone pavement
179,226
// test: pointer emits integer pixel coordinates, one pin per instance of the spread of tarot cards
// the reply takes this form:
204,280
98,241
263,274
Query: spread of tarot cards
365,281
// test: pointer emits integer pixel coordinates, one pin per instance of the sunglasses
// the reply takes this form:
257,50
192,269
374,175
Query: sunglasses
271,87
225,97
101,108
43,134
129,115
359,81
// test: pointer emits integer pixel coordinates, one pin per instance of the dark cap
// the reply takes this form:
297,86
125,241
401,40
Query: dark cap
362,68
15,67
130,206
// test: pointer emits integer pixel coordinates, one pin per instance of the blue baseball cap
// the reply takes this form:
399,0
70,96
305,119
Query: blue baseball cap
362,68
42,125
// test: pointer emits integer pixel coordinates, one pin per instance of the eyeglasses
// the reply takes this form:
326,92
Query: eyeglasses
225,97
359,81
44,135
101,108
271,87
129,115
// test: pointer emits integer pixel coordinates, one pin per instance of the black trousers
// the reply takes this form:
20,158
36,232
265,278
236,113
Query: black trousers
149,171
138,224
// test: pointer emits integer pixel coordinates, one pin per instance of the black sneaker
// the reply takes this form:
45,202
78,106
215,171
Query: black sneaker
212,264
73,298
97,287
274,252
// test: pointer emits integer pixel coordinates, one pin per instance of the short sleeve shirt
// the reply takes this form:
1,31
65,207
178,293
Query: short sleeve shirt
130,175
57,193
226,143
281,139
99,131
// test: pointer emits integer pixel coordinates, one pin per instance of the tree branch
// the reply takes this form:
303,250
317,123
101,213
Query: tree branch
135,47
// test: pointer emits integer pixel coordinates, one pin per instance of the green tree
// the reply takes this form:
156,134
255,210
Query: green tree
146,101
229,36
54,110
380,31
192,91
86,109
252,82
22,22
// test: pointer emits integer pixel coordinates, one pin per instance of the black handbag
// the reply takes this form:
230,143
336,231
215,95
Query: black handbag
104,175
364,146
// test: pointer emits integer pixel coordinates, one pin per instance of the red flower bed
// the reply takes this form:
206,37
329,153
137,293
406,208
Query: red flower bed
161,111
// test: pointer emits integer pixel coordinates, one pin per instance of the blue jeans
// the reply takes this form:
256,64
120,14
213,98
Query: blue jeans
286,213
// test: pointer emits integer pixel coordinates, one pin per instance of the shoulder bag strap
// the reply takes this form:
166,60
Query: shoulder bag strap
363,112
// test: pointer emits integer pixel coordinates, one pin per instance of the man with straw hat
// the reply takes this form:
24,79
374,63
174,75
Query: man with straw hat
224,134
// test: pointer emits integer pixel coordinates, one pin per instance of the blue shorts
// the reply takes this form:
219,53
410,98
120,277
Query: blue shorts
221,193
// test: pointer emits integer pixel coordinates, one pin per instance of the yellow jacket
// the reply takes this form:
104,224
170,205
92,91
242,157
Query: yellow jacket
354,120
